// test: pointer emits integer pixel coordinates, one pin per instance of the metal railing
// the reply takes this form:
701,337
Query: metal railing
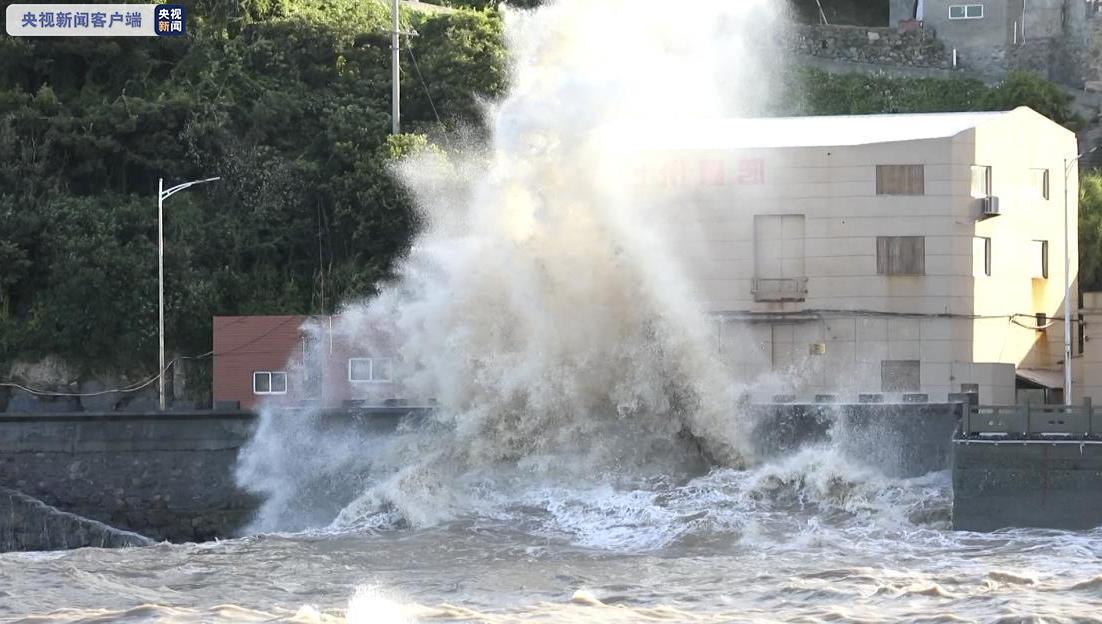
780,289
1032,420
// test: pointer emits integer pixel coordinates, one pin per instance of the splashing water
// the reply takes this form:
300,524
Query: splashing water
544,305
588,461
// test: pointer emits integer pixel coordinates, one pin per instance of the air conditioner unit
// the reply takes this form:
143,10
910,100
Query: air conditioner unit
990,206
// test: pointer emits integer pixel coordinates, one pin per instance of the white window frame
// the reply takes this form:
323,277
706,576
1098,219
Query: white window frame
270,375
371,368
1045,191
966,8
987,173
985,250
1043,273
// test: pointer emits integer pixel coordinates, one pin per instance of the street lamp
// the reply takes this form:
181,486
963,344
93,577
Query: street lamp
162,195
1068,164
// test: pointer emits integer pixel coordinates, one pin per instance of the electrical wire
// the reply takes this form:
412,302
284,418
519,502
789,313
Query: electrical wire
124,390
144,384
424,85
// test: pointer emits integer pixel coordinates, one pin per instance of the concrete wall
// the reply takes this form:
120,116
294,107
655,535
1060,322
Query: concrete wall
858,345
165,476
1049,484
900,10
30,524
901,440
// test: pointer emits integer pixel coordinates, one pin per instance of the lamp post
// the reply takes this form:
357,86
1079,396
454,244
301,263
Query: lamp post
395,70
162,195
1068,164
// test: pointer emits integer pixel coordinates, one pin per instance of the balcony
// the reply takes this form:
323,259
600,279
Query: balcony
780,289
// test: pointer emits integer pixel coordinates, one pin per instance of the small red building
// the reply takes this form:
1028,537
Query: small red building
298,360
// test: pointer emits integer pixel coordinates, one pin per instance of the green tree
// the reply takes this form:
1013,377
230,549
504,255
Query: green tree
287,100
1090,232
1028,89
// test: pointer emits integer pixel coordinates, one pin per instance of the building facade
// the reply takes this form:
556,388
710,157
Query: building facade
1052,37
837,255
885,253
298,360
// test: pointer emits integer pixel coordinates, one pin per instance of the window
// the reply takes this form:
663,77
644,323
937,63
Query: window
900,180
1039,262
965,11
269,382
900,376
779,258
981,257
363,370
1038,183
901,255
981,181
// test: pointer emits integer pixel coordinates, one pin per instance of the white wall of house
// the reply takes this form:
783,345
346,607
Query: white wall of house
790,245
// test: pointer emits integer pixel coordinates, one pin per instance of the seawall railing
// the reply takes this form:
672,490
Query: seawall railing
1025,421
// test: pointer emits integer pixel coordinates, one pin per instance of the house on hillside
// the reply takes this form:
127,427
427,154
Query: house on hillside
299,360
1051,37
892,253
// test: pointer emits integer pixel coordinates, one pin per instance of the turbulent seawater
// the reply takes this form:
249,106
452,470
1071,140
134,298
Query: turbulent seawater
809,538
588,460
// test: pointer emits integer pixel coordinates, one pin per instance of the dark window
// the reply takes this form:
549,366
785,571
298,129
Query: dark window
901,255
900,180
900,376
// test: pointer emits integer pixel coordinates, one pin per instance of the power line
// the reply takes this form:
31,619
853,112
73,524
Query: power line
425,86
144,384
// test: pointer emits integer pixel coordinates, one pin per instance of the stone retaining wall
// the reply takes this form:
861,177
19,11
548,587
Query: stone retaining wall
881,46
165,476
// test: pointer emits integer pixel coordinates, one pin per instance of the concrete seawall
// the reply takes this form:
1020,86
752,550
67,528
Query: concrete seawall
899,439
170,476
165,476
1055,484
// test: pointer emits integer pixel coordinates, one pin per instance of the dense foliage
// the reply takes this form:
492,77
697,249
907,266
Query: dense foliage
289,102
815,92
1090,232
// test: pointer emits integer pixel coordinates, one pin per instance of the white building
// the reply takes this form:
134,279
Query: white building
885,253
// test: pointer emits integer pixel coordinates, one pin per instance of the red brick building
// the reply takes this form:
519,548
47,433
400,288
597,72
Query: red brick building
299,360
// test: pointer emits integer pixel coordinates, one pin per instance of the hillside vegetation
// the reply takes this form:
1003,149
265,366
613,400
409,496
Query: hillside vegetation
288,101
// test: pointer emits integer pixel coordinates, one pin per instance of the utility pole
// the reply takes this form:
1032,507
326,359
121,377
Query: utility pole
396,89
1068,164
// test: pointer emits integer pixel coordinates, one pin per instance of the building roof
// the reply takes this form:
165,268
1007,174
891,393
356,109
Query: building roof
821,131
1042,377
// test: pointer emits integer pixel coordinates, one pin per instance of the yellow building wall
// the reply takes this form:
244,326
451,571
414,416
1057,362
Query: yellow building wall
1014,145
